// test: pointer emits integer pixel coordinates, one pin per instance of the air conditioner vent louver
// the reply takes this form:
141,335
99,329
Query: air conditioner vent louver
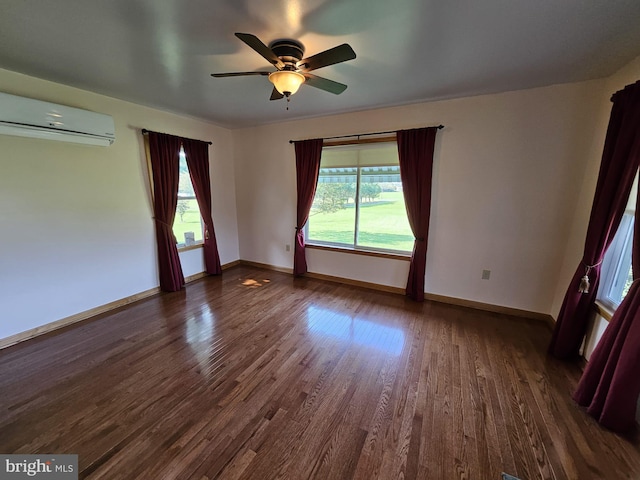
27,117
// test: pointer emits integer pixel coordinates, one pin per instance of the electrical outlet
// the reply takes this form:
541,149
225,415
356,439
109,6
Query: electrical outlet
287,248
486,274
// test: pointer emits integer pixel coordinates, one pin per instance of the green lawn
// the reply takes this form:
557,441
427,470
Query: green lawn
191,223
383,224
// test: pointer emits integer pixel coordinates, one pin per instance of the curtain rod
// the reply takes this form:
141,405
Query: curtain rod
439,127
145,131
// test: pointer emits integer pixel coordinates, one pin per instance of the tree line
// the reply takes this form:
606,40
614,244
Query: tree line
331,197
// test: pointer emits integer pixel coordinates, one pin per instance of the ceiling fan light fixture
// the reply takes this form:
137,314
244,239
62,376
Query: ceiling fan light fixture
286,81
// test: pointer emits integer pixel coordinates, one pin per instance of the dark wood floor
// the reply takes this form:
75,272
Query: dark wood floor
257,375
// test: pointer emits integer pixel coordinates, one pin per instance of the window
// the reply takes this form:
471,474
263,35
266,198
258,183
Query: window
359,201
187,225
616,274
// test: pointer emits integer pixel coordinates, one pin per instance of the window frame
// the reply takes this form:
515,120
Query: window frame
617,258
354,246
616,264
182,246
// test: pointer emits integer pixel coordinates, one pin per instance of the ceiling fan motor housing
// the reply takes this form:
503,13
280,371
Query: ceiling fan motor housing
289,51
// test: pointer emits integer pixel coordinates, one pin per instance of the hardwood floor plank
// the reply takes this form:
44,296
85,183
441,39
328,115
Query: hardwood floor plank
256,375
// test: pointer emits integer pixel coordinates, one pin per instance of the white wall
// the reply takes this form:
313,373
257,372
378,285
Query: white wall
508,172
77,228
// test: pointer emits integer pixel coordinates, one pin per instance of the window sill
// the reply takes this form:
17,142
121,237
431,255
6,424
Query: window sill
604,311
190,247
392,256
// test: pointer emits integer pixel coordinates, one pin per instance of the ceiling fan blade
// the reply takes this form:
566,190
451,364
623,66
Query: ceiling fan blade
255,43
324,84
334,55
275,94
238,74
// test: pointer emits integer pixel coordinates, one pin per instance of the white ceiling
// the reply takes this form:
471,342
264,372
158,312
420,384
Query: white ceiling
161,52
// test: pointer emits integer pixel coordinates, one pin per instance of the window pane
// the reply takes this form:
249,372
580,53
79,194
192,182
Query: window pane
377,219
383,219
627,283
332,216
616,274
185,187
623,275
187,226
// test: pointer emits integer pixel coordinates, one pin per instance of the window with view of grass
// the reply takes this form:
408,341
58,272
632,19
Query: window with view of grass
187,225
359,201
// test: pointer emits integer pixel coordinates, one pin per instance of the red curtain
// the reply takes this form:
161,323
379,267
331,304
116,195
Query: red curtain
197,153
615,179
415,152
308,153
610,385
165,157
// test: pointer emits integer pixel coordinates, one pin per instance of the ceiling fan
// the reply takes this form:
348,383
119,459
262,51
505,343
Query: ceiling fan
293,70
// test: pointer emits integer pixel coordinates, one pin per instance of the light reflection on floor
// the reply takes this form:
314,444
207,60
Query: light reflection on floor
355,330
251,283
200,331
201,325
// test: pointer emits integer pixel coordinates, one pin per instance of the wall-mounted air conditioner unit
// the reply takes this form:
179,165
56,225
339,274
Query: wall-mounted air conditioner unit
26,117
